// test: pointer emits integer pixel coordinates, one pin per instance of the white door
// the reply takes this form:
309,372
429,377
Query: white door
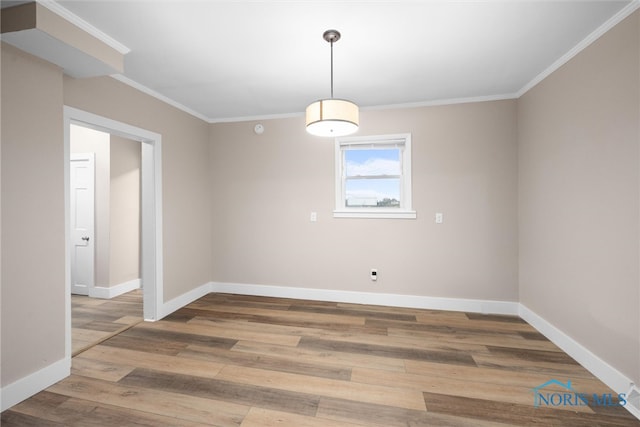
82,194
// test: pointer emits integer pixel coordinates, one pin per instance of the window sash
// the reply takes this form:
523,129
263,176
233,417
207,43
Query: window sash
400,142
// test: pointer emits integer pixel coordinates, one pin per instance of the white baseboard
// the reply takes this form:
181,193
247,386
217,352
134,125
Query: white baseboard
394,300
606,373
113,291
633,401
177,303
26,387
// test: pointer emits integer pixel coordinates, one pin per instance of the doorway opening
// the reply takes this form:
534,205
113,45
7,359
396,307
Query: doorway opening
105,236
150,209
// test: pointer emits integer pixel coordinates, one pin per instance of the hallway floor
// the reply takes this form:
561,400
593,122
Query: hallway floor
94,320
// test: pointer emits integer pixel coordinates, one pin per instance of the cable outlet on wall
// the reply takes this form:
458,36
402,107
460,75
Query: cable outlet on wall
374,274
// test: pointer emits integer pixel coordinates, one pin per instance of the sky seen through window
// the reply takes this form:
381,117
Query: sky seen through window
373,175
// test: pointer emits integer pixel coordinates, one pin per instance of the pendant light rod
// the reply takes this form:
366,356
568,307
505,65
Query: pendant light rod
331,36
331,68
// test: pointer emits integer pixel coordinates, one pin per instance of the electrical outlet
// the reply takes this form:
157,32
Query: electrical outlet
374,274
439,218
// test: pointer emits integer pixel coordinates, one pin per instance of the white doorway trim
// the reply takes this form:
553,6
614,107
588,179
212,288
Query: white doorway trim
151,210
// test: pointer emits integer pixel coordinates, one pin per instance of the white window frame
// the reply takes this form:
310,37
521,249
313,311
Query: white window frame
405,210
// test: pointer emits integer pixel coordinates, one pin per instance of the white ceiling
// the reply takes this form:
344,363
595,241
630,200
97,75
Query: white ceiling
230,60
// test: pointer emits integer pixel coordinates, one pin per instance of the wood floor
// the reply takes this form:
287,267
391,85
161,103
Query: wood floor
93,320
228,360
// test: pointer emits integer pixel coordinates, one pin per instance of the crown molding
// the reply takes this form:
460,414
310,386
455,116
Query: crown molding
439,102
601,30
126,80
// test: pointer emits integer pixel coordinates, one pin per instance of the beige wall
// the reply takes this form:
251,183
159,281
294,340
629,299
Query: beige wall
263,188
33,257
579,198
85,140
185,173
125,210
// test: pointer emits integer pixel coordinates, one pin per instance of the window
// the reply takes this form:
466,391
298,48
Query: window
373,177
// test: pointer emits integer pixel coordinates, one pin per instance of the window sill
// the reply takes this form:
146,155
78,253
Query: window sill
375,214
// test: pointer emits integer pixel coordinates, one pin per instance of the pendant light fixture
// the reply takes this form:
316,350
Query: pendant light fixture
332,117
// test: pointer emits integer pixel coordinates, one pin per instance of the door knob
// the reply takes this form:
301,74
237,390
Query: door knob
85,238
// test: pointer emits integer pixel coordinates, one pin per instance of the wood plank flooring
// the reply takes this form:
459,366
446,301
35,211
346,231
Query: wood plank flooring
230,360
93,320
